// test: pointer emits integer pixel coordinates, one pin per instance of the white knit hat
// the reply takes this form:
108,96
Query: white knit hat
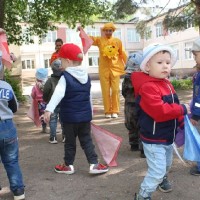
196,45
153,49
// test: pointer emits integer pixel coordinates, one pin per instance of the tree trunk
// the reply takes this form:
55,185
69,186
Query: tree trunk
2,9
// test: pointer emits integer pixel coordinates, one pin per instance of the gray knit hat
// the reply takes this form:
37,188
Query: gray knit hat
55,66
133,62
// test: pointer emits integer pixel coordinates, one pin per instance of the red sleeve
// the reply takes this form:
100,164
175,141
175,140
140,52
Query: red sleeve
152,103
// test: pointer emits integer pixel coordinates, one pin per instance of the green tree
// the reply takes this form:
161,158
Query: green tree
177,20
39,16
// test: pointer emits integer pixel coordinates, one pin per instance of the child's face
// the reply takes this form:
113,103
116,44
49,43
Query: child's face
197,56
159,66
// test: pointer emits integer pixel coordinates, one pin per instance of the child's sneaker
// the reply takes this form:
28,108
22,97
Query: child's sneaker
19,194
98,168
53,140
64,169
165,186
139,197
194,171
63,139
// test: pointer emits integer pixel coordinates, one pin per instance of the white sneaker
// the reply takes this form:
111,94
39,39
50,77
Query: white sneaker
107,116
98,168
114,115
53,140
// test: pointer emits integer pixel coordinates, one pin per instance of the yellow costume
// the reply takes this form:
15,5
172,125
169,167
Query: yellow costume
112,60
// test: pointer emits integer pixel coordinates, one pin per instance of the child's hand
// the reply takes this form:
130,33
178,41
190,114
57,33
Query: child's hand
193,122
46,116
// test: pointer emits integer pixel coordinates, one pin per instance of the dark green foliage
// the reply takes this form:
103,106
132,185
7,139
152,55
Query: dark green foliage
39,16
16,85
182,84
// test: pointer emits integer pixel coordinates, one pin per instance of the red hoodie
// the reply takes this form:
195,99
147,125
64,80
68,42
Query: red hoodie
159,111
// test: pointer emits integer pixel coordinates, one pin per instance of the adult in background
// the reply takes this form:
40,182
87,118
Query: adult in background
112,61
58,44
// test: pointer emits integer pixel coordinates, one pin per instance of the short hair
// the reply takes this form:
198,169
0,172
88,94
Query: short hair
59,40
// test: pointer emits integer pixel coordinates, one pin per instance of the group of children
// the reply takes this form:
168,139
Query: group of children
152,113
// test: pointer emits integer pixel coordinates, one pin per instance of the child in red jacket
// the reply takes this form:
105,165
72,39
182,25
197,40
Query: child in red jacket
159,115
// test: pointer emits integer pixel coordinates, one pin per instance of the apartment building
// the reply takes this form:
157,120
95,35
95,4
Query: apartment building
37,55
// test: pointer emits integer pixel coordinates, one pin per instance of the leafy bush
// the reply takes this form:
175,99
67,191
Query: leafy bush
16,85
182,84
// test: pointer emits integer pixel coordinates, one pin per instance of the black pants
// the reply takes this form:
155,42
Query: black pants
83,131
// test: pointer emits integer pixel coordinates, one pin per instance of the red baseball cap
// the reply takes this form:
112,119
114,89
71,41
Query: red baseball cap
71,52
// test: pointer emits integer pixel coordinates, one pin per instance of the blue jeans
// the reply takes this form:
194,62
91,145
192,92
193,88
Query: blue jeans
53,122
9,153
159,160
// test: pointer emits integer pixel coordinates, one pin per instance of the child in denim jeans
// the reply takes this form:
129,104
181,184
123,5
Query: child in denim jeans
9,150
132,65
49,88
159,116
195,106
37,93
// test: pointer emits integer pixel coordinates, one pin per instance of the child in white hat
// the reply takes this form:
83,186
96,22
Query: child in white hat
159,116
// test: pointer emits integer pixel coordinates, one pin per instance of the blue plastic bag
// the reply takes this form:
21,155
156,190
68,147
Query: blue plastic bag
192,142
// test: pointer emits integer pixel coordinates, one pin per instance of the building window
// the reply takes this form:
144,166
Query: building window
93,59
188,52
147,34
47,63
28,64
159,29
72,36
189,23
93,32
50,37
176,50
117,33
29,38
132,35
47,58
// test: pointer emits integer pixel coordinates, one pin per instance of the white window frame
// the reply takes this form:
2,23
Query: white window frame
46,60
188,53
94,58
159,29
117,33
26,62
30,37
132,35
50,37
72,36
175,47
93,31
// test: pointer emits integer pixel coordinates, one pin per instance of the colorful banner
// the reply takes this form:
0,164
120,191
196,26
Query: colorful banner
5,51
